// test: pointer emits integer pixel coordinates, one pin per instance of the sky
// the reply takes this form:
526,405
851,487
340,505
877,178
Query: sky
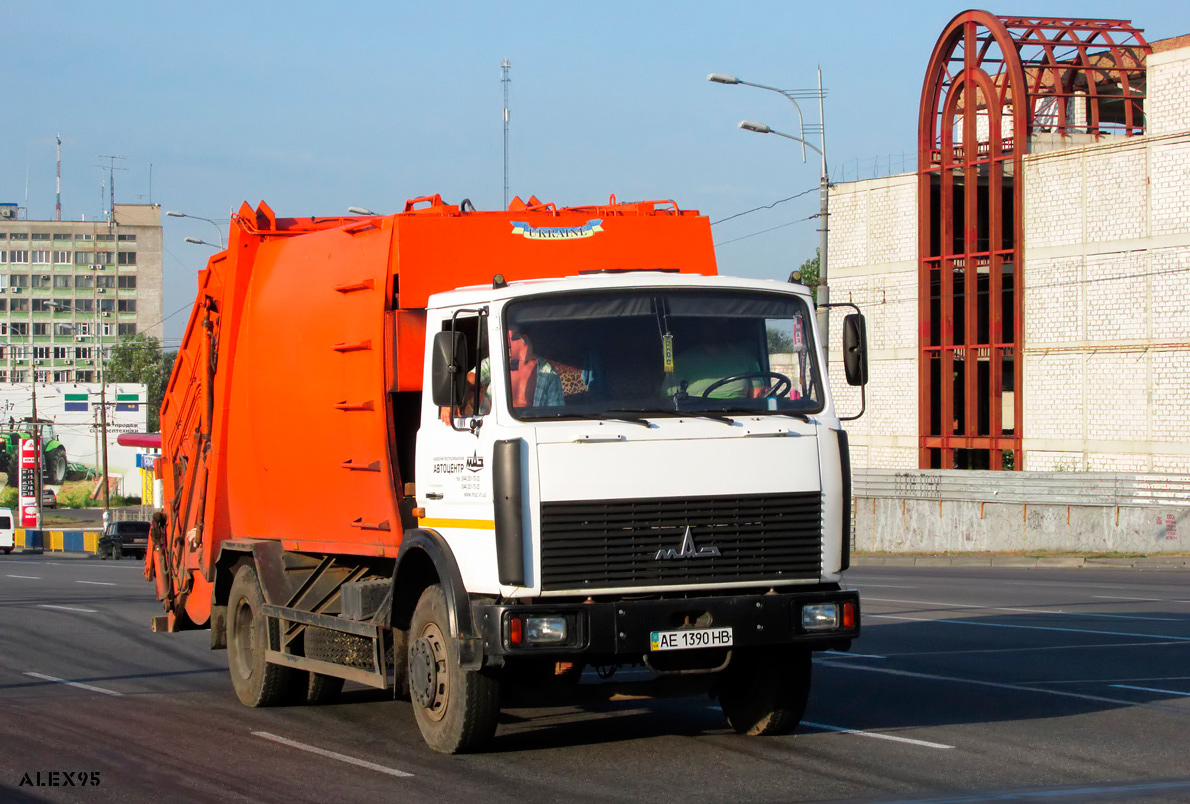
315,107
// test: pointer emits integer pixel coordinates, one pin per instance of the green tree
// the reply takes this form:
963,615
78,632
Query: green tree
140,358
809,270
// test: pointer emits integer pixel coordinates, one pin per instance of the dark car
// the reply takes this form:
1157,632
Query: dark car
48,499
124,538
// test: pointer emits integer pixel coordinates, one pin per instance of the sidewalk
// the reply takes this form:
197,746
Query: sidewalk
1148,563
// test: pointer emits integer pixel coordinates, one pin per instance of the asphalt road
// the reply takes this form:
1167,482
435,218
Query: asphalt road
968,684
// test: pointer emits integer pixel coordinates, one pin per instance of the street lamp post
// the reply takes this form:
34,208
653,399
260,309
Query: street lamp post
176,214
823,181
199,242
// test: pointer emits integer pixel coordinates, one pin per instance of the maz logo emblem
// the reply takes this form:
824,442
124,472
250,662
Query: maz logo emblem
688,550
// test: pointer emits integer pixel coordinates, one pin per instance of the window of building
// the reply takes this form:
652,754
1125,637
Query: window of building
41,236
82,353
42,305
126,258
3,281
105,238
3,256
41,353
61,258
19,306
127,282
105,330
84,258
18,280
39,257
3,235
42,375
84,306
83,281
84,376
126,306
61,353
84,237
104,258
127,329
19,352
3,305
82,329
40,281
62,236
128,238
3,375
19,236
41,330
61,376
63,281
19,376
107,281
18,255
63,330
107,305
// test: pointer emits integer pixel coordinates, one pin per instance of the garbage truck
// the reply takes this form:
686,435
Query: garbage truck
465,454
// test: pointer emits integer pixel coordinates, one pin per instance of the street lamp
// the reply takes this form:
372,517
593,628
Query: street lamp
823,181
198,242
360,211
176,214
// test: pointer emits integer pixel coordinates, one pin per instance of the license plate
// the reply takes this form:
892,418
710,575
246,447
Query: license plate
691,638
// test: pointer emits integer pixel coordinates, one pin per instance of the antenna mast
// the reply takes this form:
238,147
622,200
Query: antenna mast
58,182
505,80
111,183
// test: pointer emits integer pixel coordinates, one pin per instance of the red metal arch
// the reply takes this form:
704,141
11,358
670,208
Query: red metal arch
1044,75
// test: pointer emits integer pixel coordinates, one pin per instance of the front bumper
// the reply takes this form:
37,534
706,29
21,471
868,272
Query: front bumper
624,628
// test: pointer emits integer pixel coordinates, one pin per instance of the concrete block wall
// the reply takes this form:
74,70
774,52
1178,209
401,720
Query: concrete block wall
1107,292
873,263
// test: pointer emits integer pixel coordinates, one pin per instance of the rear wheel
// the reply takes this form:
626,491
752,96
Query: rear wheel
117,552
455,709
55,465
764,690
256,682
323,689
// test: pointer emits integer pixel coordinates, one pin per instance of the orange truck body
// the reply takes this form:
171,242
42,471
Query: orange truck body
279,421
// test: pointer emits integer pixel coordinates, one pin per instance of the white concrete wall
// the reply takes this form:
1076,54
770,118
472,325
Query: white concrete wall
873,263
1107,293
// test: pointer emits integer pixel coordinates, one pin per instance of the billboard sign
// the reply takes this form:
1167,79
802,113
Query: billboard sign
28,483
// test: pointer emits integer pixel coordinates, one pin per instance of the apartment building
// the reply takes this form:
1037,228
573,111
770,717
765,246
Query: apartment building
69,289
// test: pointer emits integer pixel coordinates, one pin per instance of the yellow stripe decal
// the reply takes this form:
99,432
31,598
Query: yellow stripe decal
474,524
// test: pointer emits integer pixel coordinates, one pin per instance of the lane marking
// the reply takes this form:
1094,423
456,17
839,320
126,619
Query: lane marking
1000,685
1112,645
66,608
98,583
73,684
322,752
885,586
844,655
1025,627
1028,611
1053,793
1147,599
877,735
1150,689
27,577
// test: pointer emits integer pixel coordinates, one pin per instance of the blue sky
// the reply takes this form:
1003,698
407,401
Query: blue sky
314,107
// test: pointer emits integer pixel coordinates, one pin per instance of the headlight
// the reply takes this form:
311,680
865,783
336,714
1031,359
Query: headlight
538,630
820,617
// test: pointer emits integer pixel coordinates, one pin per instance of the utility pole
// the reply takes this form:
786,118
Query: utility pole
824,184
505,80
37,450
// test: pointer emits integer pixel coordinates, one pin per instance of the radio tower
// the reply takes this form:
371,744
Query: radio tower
505,80
58,182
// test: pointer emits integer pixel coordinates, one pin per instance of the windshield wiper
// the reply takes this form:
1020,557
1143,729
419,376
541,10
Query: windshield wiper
630,416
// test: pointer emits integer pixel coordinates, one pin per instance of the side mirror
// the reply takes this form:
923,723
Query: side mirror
855,349
448,375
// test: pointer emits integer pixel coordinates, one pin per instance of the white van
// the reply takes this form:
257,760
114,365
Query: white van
7,539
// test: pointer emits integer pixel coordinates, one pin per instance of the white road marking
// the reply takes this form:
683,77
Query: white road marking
1025,627
1150,689
1035,610
74,684
66,608
1146,599
322,752
844,655
1002,686
876,735
1112,645
26,577
97,583
884,586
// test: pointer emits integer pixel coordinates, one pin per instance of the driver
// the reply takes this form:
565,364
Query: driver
714,355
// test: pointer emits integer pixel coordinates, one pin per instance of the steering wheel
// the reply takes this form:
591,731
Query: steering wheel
779,384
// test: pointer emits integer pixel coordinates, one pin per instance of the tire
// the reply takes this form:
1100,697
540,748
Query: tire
105,553
456,710
55,465
764,690
323,689
117,552
7,551
256,682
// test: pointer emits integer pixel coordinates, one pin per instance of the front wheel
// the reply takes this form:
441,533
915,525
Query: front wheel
764,690
55,465
455,709
256,682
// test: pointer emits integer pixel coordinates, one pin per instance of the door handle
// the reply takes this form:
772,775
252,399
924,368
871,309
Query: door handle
433,495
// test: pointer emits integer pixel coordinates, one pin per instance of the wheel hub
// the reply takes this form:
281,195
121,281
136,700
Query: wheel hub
429,680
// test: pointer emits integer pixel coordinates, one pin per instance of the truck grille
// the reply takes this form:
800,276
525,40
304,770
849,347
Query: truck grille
600,544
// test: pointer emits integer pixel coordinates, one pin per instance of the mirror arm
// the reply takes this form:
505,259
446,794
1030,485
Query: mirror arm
863,398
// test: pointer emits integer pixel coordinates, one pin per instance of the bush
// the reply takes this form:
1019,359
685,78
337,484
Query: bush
8,497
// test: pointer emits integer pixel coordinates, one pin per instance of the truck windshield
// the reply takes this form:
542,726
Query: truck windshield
660,352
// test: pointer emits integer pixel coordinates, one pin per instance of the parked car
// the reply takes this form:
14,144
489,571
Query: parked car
48,498
129,537
7,533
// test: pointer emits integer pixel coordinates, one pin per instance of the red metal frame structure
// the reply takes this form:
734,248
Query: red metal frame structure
992,84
